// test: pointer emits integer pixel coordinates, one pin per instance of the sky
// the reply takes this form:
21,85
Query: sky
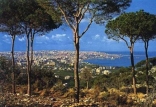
94,39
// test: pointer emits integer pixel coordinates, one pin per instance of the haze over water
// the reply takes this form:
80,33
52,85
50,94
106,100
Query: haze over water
123,61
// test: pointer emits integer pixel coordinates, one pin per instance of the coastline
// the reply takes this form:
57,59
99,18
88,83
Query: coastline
101,58
123,61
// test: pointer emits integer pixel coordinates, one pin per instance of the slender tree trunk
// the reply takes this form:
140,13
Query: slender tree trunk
28,66
147,77
133,70
32,50
13,65
76,67
87,85
76,60
30,60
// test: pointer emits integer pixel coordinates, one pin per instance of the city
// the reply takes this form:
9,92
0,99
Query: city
117,68
54,59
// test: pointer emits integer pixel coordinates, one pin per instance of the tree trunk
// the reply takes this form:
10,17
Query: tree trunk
87,85
13,65
28,66
32,50
147,77
76,67
30,61
133,70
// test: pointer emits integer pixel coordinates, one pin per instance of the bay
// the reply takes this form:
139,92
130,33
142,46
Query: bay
123,61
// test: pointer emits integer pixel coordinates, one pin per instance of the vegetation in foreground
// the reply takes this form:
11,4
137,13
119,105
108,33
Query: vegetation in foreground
25,17
112,89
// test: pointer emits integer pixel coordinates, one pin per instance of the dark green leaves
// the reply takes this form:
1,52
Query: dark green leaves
133,24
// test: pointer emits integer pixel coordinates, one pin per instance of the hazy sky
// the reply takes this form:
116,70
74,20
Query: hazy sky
95,39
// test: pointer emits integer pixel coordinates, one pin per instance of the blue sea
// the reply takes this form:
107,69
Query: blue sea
123,61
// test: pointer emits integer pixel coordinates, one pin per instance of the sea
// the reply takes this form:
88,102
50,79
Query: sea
123,61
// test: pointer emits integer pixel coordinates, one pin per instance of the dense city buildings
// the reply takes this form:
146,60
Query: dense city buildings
58,60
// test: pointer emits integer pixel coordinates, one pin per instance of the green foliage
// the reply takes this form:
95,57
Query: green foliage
86,74
102,82
107,9
51,10
141,70
125,76
152,62
73,12
43,76
116,79
36,17
132,25
63,73
18,13
100,9
22,78
124,26
9,17
5,69
147,25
